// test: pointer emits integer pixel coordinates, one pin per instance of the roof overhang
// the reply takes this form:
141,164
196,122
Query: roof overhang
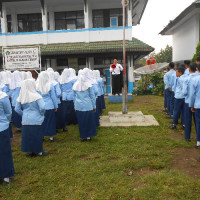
138,8
190,11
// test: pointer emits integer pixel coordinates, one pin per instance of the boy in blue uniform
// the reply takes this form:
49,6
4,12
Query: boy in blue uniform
186,92
165,98
168,85
194,103
179,98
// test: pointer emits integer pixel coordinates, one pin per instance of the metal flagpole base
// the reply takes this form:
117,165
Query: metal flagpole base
124,100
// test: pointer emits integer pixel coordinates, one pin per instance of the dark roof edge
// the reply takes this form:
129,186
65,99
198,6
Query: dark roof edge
143,11
180,16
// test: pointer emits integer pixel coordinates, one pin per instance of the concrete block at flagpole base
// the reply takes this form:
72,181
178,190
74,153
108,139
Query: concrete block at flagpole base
117,119
118,98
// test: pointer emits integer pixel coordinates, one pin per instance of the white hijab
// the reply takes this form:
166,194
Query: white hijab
66,76
29,75
97,75
73,73
24,75
88,76
43,84
50,70
9,77
81,84
16,80
2,80
52,78
28,93
2,95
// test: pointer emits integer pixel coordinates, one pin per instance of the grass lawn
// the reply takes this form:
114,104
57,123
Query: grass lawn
128,164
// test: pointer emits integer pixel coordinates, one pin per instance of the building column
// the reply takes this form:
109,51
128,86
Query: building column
54,64
88,18
91,63
4,24
52,21
130,74
44,20
14,22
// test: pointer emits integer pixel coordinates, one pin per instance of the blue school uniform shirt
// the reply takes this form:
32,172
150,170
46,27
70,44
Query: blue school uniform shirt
32,113
15,95
187,72
165,82
5,89
194,95
187,87
99,88
173,81
85,100
178,88
168,78
58,92
5,113
67,92
50,99
95,89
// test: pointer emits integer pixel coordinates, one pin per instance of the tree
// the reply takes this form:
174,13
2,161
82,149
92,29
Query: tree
197,54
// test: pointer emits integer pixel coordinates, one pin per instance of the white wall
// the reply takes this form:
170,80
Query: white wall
185,39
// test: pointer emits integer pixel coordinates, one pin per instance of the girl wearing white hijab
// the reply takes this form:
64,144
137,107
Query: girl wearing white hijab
30,105
15,88
59,113
6,161
67,81
4,82
85,106
46,90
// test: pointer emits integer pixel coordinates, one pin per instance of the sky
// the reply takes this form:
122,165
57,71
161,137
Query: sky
157,15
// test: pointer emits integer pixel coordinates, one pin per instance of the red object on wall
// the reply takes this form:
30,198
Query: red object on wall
151,61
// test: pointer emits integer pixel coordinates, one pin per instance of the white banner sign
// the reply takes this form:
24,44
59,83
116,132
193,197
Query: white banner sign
21,58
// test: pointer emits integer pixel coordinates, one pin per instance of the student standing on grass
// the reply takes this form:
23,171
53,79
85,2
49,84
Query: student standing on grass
67,81
186,92
46,90
194,103
85,106
6,161
179,98
15,88
169,87
31,107
165,97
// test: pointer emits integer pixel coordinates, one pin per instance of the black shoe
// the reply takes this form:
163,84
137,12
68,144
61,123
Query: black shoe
18,130
173,127
51,140
44,153
65,130
197,146
188,140
30,155
83,139
89,139
5,183
169,117
164,111
183,127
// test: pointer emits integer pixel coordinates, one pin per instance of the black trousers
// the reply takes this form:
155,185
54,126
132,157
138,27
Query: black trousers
116,84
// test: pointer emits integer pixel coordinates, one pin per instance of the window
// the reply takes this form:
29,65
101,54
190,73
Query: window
29,22
9,24
62,62
81,61
107,18
69,20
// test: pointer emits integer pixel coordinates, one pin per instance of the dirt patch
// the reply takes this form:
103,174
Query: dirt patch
185,160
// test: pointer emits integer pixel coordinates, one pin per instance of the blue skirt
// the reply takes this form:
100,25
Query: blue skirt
6,161
60,117
97,114
10,131
70,114
103,104
49,124
17,119
86,123
32,139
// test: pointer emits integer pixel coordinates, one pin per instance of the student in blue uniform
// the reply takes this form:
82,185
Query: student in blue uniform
166,88
194,103
187,67
179,98
31,107
169,87
85,106
6,161
46,90
186,92
67,82
59,113
14,92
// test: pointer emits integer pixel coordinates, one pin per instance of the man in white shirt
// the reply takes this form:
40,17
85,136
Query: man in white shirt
116,69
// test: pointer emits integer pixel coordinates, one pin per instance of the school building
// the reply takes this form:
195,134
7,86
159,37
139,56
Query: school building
75,33
185,31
